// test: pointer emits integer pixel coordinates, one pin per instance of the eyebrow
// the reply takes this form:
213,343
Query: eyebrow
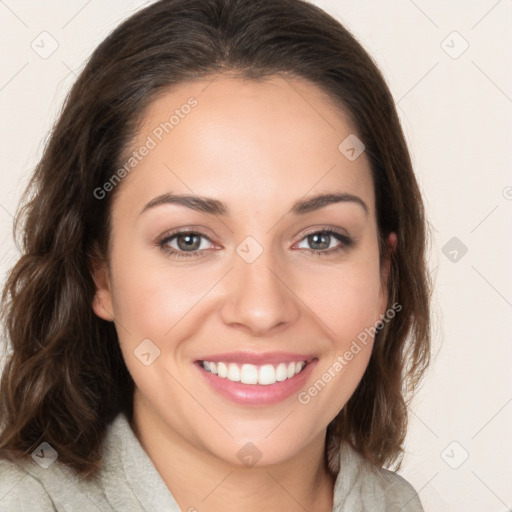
219,208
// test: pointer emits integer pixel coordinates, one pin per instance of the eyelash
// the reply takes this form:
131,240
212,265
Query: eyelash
346,243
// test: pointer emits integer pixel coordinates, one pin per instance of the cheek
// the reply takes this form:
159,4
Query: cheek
347,303
346,298
150,296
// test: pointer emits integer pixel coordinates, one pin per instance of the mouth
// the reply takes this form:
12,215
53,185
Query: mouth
251,374
263,381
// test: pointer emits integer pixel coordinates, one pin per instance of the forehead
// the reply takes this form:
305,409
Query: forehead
228,137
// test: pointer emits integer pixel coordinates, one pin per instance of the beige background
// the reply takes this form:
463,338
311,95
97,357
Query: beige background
456,108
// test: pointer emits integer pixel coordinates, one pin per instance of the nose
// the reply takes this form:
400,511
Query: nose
259,300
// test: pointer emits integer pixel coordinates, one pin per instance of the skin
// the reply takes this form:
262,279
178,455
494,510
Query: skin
258,147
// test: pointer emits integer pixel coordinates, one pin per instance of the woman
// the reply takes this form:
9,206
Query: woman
222,300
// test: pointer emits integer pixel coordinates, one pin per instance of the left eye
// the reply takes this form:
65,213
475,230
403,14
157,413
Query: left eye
321,241
186,242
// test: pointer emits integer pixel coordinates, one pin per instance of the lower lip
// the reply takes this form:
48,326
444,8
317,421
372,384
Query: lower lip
257,394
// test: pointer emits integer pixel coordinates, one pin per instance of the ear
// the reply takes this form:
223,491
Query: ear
102,302
385,270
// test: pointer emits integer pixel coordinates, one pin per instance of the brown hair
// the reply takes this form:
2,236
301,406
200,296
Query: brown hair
65,378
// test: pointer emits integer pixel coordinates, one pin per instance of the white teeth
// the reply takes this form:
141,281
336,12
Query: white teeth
251,374
267,375
222,370
233,372
281,372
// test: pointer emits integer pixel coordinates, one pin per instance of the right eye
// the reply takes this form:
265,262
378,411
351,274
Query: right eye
183,244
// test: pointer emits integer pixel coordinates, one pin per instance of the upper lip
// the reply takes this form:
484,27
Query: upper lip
257,358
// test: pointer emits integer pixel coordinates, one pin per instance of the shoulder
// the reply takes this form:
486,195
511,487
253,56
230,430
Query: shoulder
399,493
21,491
42,482
28,485
365,487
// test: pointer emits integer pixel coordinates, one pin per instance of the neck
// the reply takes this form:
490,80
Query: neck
201,481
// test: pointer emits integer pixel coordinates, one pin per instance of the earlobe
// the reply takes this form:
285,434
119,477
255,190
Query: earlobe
102,302
385,271
392,242
101,309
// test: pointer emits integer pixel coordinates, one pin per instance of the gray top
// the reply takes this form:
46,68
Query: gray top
129,482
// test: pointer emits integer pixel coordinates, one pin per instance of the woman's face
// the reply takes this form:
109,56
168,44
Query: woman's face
255,283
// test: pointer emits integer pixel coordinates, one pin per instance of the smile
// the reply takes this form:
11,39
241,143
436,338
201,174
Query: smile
268,379
264,375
